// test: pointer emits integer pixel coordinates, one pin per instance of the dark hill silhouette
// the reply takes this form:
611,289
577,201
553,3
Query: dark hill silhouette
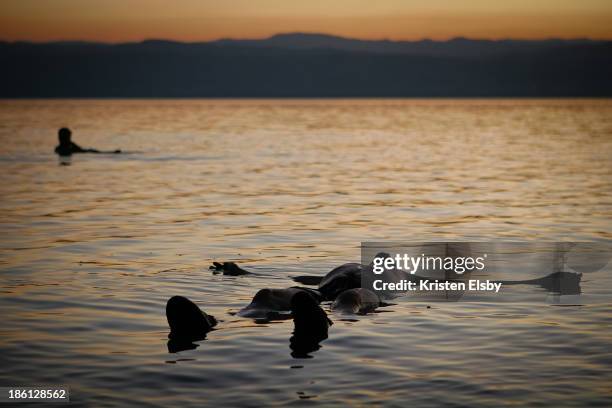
307,65
459,47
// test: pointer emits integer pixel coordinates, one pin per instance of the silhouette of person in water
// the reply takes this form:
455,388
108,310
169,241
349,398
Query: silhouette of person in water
67,147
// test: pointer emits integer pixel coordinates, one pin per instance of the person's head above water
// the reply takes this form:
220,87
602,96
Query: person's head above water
64,135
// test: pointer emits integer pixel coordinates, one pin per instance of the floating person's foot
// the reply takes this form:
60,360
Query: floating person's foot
228,268
187,322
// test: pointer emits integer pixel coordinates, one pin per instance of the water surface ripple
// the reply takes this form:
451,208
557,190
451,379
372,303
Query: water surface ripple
89,253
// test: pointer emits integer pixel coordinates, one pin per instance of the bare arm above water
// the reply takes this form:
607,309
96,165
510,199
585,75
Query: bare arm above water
78,149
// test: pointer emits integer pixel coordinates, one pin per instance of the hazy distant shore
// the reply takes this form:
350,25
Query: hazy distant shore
307,66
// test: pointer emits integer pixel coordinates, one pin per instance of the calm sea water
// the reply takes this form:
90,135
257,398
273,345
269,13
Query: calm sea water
89,253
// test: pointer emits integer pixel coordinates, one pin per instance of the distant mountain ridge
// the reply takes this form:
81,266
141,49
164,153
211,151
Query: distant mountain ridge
307,65
453,47
313,41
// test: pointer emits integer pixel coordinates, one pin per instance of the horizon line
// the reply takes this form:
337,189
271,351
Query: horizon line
305,33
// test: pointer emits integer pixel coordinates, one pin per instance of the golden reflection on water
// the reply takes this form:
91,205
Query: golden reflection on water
90,252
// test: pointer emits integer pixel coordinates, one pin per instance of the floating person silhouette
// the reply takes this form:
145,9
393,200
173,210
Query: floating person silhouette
228,268
67,147
187,324
310,325
354,275
270,303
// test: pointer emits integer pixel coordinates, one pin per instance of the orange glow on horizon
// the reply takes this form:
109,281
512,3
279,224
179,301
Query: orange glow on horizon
201,20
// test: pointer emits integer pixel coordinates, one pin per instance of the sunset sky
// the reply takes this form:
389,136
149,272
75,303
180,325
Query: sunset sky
195,20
